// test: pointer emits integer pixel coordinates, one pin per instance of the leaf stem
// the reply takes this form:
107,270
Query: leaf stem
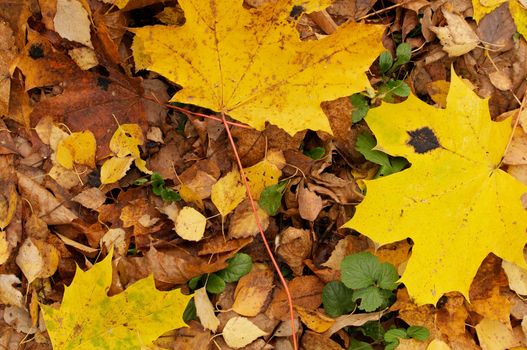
262,234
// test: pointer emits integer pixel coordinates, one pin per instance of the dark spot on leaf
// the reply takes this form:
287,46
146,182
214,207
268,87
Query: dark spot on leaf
296,11
127,134
36,51
423,140
103,83
442,302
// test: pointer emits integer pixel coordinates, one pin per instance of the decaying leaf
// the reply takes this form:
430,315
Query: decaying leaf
133,318
457,37
9,295
252,290
294,246
37,259
239,332
309,204
314,320
258,81
455,182
205,310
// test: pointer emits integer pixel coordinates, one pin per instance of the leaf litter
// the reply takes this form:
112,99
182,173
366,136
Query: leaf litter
111,167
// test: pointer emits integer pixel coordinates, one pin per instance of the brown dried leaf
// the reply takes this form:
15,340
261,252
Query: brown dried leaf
306,291
252,290
294,247
243,224
315,341
457,37
309,204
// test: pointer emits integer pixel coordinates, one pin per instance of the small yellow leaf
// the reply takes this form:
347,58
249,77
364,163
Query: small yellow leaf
189,196
141,165
37,259
5,251
133,318
261,175
239,332
494,335
7,207
437,344
114,169
314,320
78,148
190,224
126,140
228,192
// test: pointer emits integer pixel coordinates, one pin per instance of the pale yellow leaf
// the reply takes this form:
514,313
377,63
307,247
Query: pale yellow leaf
115,169
190,224
9,295
494,335
239,332
437,344
37,259
71,22
205,310
228,192
126,140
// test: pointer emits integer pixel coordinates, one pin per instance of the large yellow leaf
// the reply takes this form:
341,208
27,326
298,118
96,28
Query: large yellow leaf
88,319
251,64
453,201
519,13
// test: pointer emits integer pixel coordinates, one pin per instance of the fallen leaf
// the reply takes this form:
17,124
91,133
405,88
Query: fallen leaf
315,341
239,332
19,319
494,335
483,7
115,169
266,82
115,237
243,223
309,204
190,224
315,320
78,148
294,246
71,22
37,259
91,198
262,175
306,291
49,208
9,295
457,37
228,192
7,55
85,57
438,345
252,290
352,320
126,140
517,277
475,199
205,310
519,13
135,317
517,152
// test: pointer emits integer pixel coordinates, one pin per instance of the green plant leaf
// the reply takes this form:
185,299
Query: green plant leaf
215,284
193,283
385,61
239,265
393,345
373,330
418,332
337,299
393,335
170,195
361,106
190,311
271,198
359,270
359,345
403,53
396,164
387,276
365,144
371,298
315,153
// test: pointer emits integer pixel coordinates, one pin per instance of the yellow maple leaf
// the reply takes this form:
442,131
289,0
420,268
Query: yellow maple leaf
89,319
228,192
519,14
454,201
484,7
79,148
251,64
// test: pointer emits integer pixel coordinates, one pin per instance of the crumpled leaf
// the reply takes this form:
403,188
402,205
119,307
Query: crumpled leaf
245,74
454,182
239,332
78,148
133,318
9,295
457,37
228,192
